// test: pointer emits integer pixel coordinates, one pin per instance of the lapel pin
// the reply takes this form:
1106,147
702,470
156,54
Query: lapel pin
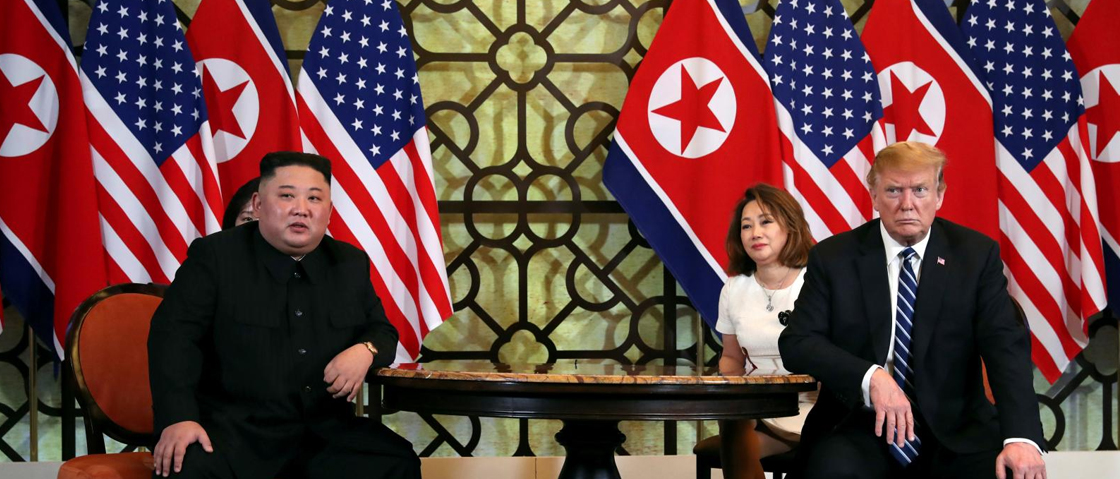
941,261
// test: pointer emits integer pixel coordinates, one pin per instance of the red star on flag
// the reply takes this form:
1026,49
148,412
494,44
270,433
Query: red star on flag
903,111
692,109
1106,115
16,109
221,111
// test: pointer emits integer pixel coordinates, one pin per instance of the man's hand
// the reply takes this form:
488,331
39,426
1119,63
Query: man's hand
173,443
893,417
346,372
1023,459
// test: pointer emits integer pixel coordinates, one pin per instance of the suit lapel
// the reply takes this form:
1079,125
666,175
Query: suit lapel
931,290
873,276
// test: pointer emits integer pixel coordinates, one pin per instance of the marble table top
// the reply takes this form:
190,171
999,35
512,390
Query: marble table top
582,371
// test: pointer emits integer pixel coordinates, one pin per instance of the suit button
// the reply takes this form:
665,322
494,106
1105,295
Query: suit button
307,389
301,351
299,313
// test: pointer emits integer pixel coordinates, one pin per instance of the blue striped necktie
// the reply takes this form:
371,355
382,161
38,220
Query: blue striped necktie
903,325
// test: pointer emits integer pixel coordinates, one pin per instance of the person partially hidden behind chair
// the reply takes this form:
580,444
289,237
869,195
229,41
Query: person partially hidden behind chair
263,339
894,319
768,243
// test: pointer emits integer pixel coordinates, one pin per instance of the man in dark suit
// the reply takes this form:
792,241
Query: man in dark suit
264,338
894,319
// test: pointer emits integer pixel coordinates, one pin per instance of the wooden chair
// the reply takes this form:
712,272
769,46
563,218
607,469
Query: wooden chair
107,350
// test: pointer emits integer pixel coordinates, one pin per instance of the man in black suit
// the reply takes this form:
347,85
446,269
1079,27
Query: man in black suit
264,338
894,319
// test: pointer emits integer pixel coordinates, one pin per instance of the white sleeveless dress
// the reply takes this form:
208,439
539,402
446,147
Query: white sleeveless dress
742,312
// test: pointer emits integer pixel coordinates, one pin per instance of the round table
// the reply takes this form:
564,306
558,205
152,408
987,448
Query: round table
590,397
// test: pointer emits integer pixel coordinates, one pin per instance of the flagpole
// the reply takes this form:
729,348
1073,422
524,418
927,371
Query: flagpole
33,393
698,323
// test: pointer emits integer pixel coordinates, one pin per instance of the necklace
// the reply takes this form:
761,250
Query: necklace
766,291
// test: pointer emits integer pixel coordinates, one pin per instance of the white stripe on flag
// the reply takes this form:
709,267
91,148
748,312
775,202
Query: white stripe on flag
138,156
860,164
816,225
306,142
58,40
734,37
402,355
122,255
26,253
206,138
134,209
669,206
1040,329
280,66
815,168
1092,281
358,226
1055,163
372,184
402,164
1022,182
1110,241
189,165
353,156
431,240
1041,269
964,67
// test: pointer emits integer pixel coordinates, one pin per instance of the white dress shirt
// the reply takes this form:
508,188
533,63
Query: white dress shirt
894,268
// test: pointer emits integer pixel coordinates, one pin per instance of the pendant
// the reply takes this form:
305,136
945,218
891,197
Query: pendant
769,308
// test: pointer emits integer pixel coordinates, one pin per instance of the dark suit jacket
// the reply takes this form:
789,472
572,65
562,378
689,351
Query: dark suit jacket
841,326
224,349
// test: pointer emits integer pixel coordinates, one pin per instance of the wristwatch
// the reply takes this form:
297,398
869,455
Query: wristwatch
369,346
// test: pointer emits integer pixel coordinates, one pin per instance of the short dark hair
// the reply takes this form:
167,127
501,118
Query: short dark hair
238,201
787,212
280,159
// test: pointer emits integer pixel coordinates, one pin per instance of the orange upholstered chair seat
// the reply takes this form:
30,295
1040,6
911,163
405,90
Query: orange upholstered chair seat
129,465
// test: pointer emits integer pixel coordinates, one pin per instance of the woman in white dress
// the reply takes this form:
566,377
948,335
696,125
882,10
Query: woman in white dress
768,245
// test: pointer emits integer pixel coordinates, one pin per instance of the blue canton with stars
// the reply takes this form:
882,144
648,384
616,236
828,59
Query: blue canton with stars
1036,94
821,73
136,56
361,62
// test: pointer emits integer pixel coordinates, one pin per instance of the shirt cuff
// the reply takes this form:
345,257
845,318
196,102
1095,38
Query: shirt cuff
866,385
1022,439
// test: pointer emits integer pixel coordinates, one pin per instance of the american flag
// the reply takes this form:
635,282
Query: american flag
152,156
1047,197
360,105
827,100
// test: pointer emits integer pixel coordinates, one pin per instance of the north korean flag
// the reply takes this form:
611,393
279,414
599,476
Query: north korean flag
1095,50
696,129
932,92
50,242
246,83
